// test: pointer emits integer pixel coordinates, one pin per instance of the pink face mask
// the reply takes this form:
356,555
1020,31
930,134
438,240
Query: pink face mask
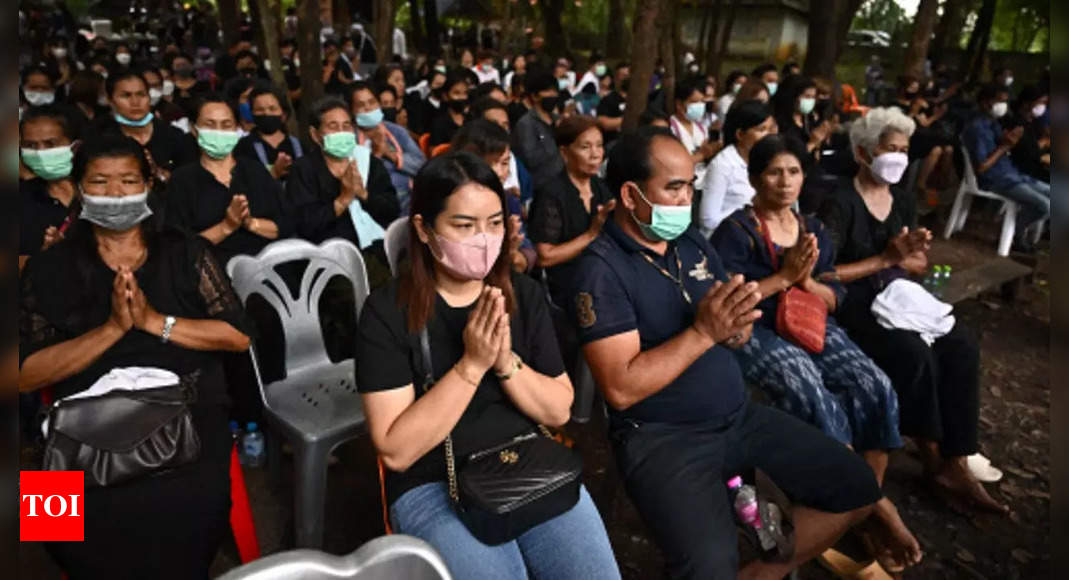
470,259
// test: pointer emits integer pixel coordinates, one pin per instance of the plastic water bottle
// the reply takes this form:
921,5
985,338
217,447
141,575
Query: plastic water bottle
946,277
929,280
938,278
235,433
252,446
748,512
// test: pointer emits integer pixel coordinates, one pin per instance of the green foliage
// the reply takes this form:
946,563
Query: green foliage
1021,26
883,15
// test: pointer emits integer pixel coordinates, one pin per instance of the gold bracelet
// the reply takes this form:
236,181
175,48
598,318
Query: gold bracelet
517,364
456,369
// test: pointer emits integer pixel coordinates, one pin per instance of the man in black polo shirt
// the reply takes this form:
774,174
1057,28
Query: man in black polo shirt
657,317
532,140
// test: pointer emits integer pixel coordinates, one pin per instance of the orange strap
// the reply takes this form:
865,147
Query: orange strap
382,488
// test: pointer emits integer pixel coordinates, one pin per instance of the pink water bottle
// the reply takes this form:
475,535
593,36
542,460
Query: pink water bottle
745,502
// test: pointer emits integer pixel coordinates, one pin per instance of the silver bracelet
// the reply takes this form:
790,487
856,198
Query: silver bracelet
168,325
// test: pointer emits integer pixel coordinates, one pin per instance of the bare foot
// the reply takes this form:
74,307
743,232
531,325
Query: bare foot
956,481
889,540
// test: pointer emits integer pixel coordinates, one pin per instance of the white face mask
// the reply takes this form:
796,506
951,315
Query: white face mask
59,52
154,96
999,109
39,98
1038,110
168,88
1009,81
123,58
889,167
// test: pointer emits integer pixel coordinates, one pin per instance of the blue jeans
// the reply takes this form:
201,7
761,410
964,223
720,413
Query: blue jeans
1033,196
571,545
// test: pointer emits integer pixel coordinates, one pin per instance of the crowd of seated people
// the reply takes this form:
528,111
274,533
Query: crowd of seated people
540,232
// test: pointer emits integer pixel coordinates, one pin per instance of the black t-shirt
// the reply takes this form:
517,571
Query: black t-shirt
558,216
336,86
387,358
515,111
196,201
443,128
38,211
247,148
612,106
66,292
291,74
170,147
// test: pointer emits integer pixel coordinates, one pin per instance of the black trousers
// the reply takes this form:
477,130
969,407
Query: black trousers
676,475
938,386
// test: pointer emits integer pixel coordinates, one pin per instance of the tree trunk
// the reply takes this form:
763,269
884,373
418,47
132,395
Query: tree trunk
419,40
342,17
267,12
384,14
823,48
434,36
643,58
616,33
556,40
666,50
712,34
844,21
228,21
923,24
725,37
981,35
308,25
703,44
948,31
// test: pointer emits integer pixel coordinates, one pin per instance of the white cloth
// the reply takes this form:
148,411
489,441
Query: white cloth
491,76
400,47
368,231
726,189
906,305
125,378
589,77
724,104
513,179
692,139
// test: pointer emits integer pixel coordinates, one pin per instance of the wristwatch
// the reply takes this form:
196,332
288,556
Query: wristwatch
168,325
517,364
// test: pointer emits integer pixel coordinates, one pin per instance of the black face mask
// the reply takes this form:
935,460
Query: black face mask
549,104
458,105
390,114
912,94
247,72
268,124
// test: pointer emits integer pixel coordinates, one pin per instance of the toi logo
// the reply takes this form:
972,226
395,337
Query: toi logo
51,506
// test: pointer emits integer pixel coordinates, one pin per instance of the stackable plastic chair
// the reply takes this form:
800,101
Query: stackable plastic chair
393,557
316,406
395,242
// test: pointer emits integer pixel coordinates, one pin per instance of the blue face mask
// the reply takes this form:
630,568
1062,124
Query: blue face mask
772,88
695,112
132,123
667,222
369,120
245,112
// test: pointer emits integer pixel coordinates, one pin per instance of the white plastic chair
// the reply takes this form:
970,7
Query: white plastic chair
395,242
969,189
316,406
395,557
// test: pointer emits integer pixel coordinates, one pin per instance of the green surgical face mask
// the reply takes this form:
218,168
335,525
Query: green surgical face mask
339,145
217,144
49,164
667,222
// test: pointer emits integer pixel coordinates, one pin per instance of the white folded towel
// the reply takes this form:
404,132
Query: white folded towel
906,305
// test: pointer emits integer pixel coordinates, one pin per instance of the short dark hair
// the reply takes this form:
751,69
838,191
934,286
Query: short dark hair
37,70
570,128
770,147
518,82
211,98
261,90
455,77
629,159
247,54
990,92
484,90
85,87
117,77
539,80
323,106
109,146
51,113
767,67
481,137
650,115
358,86
689,86
481,106
744,115
732,77
384,88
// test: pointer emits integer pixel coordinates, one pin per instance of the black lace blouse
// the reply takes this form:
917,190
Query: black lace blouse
66,292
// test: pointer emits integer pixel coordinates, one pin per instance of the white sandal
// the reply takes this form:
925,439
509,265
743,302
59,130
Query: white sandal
982,469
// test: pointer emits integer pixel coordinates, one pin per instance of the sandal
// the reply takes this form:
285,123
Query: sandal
982,469
845,567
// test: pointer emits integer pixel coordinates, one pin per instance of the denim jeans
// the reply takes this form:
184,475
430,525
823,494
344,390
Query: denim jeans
1034,197
573,545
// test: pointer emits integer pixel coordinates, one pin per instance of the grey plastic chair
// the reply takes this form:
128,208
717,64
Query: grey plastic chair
316,407
395,242
395,557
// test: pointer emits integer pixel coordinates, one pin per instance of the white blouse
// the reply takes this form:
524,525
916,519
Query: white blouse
726,189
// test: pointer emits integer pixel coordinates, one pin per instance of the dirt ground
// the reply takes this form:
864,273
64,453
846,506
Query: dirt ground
1014,434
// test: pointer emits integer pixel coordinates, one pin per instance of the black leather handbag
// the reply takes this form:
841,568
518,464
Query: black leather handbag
123,434
502,491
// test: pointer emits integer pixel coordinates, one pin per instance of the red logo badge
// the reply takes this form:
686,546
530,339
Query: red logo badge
51,506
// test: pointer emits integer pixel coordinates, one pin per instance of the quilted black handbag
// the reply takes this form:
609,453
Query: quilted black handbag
123,434
504,490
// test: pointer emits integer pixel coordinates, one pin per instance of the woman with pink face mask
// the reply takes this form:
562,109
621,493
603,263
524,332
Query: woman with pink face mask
495,373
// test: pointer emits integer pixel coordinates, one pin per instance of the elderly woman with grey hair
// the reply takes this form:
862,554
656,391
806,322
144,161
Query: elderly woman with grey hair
873,225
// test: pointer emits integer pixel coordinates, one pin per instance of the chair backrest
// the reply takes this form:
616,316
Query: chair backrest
385,558
425,144
300,314
440,149
395,243
968,178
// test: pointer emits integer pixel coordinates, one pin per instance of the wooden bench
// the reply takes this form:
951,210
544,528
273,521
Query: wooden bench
1002,273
